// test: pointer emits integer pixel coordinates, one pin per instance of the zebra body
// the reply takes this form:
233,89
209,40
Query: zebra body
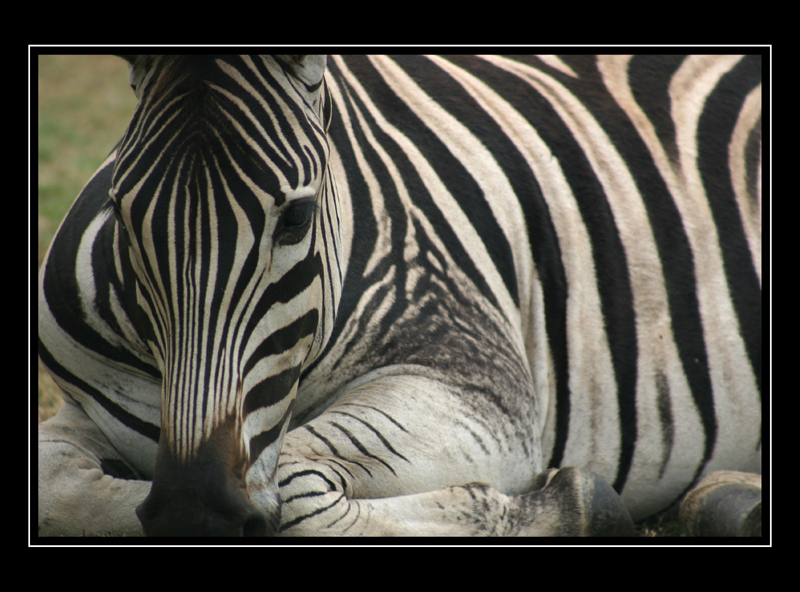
406,294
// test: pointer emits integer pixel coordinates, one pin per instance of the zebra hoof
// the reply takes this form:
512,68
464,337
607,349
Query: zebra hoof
608,516
588,505
725,503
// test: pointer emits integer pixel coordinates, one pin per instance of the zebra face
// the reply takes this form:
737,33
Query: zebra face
221,193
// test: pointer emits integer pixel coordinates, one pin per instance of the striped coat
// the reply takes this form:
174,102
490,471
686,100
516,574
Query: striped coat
532,263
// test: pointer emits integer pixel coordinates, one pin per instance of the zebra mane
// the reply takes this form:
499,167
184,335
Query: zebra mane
189,72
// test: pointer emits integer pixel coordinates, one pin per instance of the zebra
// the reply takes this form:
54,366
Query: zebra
390,296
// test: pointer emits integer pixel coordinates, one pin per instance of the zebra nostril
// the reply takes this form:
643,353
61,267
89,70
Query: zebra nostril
202,496
178,511
255,526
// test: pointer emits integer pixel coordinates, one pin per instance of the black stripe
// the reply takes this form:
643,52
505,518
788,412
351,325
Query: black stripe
287,525
666,419
126,418
649,78
380,411
306,473
270,391
369,426
715,130
334,451
264,439
284,338
361,448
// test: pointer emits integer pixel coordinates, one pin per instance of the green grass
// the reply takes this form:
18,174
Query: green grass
84,106
665,524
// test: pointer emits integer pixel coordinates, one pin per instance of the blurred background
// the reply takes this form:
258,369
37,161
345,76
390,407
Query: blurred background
84,105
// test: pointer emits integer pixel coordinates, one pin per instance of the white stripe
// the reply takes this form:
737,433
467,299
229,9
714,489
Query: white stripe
556,62
749,205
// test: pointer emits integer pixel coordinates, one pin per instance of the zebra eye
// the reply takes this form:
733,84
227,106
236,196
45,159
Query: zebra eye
298,214
295,221
118,215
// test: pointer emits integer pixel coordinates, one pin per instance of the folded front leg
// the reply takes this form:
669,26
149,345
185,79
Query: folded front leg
405,455
80,489
563,502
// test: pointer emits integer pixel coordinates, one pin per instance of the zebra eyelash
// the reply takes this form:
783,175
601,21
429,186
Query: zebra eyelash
112,205
295,221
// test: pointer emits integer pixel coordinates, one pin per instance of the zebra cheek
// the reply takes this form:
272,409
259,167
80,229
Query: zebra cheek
262,487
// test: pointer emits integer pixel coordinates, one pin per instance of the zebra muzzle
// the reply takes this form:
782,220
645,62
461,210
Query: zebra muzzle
204,496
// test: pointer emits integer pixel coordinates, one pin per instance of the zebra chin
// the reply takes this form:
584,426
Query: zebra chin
206,495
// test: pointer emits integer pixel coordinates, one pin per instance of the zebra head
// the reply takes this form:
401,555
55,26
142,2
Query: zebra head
225,224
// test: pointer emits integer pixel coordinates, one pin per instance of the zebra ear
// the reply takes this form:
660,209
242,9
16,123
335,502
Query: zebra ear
307,68
138,67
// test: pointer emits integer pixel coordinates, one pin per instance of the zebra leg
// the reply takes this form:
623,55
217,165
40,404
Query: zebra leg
80,492
568,502
359,469
724,503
